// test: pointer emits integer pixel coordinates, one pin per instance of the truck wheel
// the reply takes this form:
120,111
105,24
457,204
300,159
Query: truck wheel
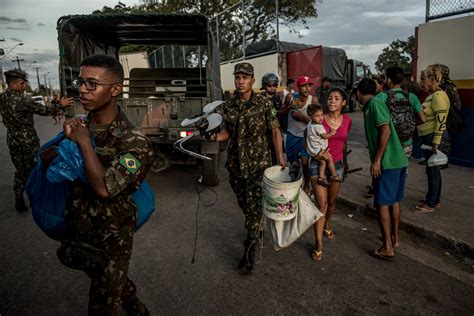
210,170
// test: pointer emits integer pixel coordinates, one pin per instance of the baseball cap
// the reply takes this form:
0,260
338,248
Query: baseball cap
304,80
245,68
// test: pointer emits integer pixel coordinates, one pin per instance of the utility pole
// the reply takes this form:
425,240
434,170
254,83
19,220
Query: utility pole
38,76
17,60
45,84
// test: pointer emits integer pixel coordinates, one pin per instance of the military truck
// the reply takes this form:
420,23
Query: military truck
184,77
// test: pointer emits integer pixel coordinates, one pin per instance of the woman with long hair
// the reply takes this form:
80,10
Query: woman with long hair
326,196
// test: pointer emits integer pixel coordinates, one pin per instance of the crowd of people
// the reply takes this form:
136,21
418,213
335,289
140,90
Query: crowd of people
315,134
308,132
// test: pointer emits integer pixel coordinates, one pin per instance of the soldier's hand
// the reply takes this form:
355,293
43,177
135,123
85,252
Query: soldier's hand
75,130
65,102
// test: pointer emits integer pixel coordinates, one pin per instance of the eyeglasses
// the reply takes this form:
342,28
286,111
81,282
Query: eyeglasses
90,85
272,85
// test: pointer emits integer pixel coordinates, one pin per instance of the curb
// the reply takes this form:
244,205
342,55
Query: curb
431,238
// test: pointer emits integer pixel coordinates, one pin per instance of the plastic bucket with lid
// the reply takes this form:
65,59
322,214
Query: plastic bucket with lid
280,195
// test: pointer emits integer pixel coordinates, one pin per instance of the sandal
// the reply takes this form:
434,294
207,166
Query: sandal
328,233
438,205
423,209
336,178
323,182
317,255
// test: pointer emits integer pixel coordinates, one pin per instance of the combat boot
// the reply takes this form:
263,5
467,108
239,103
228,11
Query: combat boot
20,202
248,260
135,307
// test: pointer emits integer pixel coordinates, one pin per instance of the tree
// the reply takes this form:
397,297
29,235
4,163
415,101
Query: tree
257,23
398,53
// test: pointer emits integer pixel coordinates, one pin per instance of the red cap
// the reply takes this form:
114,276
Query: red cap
303,80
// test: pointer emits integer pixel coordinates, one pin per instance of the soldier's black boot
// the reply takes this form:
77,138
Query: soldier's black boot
248,260
20,202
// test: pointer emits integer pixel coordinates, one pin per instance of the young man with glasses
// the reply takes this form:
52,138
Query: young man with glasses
101,214
17,110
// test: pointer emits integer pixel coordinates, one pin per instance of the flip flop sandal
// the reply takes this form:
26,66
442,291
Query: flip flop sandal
423,209
438,205
336,178
323,182
328,233
317,255
377,255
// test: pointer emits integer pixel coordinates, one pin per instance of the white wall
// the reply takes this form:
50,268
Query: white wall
261,65
449,42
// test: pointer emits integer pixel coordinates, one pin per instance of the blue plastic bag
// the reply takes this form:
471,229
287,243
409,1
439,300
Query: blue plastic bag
48,191
48,199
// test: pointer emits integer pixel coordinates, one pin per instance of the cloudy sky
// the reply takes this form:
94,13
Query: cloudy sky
361,27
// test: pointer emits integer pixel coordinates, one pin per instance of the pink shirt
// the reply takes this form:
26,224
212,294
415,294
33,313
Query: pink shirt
336,143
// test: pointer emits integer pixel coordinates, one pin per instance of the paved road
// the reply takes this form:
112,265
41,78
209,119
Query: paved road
348,281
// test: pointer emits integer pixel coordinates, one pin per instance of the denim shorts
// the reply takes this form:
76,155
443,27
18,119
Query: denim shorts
389,187
313,169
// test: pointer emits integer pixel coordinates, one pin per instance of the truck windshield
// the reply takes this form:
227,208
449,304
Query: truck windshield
360,71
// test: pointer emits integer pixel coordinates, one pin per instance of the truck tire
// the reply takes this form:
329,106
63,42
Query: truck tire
210,170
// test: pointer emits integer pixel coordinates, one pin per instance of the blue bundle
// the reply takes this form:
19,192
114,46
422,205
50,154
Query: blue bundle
48,191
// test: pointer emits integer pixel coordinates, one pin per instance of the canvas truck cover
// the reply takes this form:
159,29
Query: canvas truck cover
80,36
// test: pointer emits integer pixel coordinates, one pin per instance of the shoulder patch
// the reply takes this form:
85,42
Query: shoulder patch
130,163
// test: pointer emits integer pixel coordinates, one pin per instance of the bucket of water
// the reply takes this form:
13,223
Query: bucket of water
280,194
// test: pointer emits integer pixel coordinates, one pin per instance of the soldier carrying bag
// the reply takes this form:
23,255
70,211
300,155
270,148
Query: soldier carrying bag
48,190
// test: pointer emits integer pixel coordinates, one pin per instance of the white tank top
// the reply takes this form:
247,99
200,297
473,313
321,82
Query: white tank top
295,127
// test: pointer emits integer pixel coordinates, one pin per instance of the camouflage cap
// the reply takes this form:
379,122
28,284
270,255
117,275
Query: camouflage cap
16,73
244,68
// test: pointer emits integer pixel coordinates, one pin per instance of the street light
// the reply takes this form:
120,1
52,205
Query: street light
19,44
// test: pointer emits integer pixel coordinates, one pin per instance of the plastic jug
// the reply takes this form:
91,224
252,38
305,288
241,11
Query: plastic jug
437,159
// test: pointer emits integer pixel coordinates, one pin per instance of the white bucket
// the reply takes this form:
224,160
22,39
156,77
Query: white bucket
280,195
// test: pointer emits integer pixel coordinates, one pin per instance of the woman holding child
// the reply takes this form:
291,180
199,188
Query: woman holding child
326,184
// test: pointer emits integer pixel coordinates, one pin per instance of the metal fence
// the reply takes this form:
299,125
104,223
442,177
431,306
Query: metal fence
437,9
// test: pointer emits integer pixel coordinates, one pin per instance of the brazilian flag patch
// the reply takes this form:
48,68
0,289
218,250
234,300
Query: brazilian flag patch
130,163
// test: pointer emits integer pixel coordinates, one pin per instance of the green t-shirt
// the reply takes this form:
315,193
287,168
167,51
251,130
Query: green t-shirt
376,114
411,97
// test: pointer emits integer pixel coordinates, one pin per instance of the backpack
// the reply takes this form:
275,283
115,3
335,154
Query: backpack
402,115
454,123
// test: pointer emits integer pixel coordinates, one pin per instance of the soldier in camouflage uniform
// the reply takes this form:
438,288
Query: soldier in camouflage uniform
101,214
249,119
269,86
17,110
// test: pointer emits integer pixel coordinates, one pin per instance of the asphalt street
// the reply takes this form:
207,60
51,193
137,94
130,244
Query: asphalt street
419,281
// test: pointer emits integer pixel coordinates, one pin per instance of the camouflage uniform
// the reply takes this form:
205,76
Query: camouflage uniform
101,238
17,110
249,124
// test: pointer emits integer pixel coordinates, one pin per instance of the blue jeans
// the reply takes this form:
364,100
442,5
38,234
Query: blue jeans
433,195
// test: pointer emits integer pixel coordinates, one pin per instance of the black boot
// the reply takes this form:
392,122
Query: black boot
248,260
135,307
20,202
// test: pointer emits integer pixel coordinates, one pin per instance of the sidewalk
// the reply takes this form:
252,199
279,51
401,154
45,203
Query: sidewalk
451,226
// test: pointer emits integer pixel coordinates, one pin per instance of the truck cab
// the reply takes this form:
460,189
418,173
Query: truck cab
355,72
182,77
